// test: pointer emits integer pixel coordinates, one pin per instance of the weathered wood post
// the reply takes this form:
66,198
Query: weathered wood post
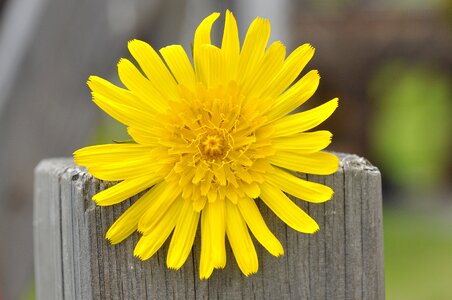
344,260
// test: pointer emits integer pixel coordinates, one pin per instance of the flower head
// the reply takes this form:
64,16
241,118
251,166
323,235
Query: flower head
210,140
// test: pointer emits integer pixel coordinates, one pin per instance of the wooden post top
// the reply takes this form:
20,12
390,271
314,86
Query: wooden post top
344,260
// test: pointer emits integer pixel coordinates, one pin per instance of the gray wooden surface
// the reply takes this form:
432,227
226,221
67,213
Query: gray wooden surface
344,260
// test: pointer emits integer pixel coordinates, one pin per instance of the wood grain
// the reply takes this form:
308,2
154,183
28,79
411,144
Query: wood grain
344,260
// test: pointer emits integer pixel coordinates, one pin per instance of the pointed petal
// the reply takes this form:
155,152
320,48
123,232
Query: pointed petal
183,236
140,86
206,264
286,210
179,64
256,224
125,189
240,240
216,214
231,46
127,223
109,153
117,95
116,161
202,36
292,67
295,96
302,189
253,48
211,66
303,121
202,33
153,240
154,68
265,70
157,209
120,104
306,142
320,163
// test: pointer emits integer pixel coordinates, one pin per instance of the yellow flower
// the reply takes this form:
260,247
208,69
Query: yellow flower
210,141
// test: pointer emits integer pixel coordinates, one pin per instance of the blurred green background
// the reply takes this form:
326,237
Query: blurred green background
411,141
389,62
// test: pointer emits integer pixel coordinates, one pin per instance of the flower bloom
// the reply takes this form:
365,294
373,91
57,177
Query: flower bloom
209,141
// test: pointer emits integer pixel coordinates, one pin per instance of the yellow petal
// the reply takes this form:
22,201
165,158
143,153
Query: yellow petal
253,48
198,201
251,189
302,189
158,207
115,162
202,36
140,86
154,68
295,96
303,121
220,175
230,46
116,94
143,137
256,224
212,195
109,153
320,163
202,33
262,166
240,240
206,184
153,240
232,194
125,114
243,174
211,66
201,170
125,190
265,70
286,210
183,236
179,64
122,170
186,178
307,142
292,67
127,223
216,214
206,264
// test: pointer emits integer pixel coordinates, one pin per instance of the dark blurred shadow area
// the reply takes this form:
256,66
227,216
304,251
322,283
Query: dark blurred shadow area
389,62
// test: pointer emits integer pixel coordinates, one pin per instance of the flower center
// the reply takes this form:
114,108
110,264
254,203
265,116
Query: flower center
214,144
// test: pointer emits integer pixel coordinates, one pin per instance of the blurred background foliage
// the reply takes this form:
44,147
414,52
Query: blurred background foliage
389,62
411,128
